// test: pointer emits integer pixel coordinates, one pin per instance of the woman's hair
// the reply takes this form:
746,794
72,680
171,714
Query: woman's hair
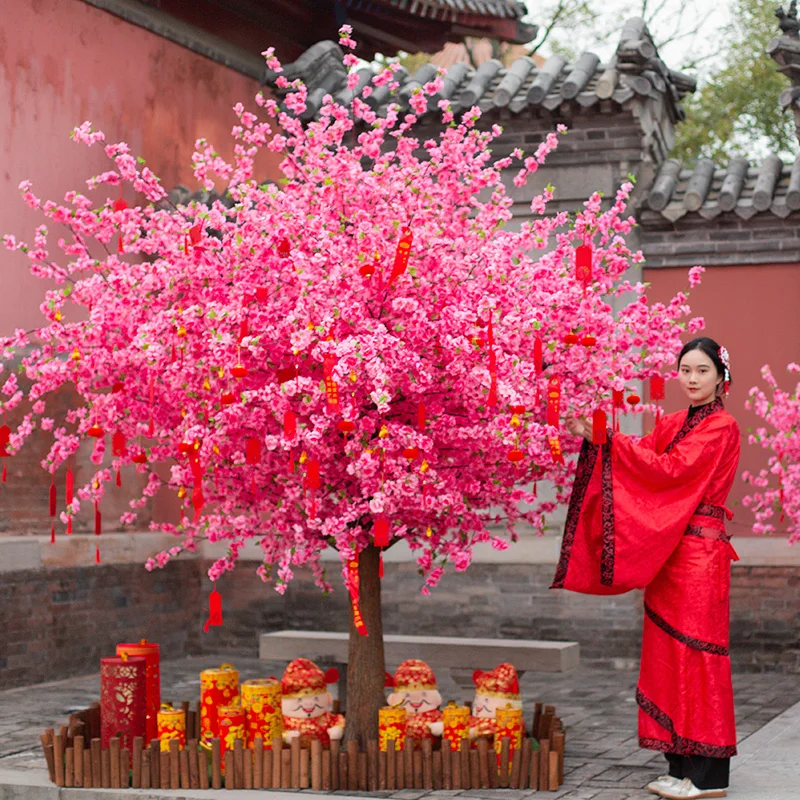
711,349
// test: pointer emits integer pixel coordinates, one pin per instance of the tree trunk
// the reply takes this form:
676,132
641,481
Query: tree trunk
366,669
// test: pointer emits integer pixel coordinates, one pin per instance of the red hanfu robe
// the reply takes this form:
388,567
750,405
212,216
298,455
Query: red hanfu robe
650,515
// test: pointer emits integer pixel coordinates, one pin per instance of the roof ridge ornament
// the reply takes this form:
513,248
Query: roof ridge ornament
788,21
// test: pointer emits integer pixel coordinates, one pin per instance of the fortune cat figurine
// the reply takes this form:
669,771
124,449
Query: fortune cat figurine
306,704
414,684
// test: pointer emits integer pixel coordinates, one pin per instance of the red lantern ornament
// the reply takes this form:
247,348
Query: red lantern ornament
284,248
120,204
570,339
214,610
411,453
367,270
657,391
5,436
139,458
262,293
588,340
633,399
515,456
345,426
553,401
117,387
583,265
96,431
252,450
184,448
313,483
227,399
239,372
599,434
402,255
195,234
380,531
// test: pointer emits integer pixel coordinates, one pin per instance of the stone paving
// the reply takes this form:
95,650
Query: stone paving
603,760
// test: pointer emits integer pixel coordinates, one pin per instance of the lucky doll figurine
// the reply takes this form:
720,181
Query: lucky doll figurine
496,689
415,690
306,703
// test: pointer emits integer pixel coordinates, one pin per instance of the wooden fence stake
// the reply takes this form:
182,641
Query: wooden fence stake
474,769
438,779
326,771
344,781
49,756
483,764
316,765
408,765
537,720
427,764
400,769
382,761
516,766
87,768
113,750
183,761
491,766
533,783
202,767
277,761
391,760
105,768
258,763
230,770
544,765
174,764
305,777
144,777
136,777
266,769
373,768
58,755
286,768
447,775
553,780
352,765
417,768
363,772
125,767
464,759
505,754
238,764
216,765
78,746
294,748
335,778
247,763
525,764
69,767
164,770
155,764
194,766
558,745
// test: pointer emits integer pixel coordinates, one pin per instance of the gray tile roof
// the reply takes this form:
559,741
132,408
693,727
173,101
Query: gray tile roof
444,9
740,188
635,71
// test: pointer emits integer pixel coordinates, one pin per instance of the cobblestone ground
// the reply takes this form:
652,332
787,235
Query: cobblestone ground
603,760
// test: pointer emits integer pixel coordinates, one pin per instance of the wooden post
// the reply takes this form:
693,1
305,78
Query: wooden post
344,781
164,771
391,760
547,721
238,764
58,755
124,767
417,768
400,769
316,765
447,776
49,755
230,770
183,761
294,748
286,768
69,767
266,769
113,754
277,761
373,768
553,780
155,764
144,778
382,762
516,766
363,772
305,777
544,765
483,764
190,725
257,761
537,719
352,765
558,744
105,768
327,784
335,778
174,764
78,760
533,783
474,769
464,759
408,765
505,753
136,778
438,780
249,777
525,764
491,766
216,766
202,767
427,764
194,767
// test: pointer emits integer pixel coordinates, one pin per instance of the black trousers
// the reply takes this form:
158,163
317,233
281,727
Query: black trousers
705,772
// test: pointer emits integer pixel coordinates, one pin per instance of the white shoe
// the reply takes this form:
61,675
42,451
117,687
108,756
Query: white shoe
686,790
663,783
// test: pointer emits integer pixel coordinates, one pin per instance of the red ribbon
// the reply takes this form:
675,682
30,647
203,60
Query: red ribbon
402,255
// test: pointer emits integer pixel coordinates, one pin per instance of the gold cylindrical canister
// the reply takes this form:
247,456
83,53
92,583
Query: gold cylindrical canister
455,721
231,727
171,725
218,688
261,701
392,727
509,723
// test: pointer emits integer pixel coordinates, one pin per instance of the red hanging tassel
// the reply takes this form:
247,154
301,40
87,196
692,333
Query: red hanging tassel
98,524
214,610
53,509
150,427
68,496
599,435
380,566
421,416
492,399
5,471
313,483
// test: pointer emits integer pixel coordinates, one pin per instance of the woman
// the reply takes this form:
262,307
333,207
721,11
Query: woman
650,514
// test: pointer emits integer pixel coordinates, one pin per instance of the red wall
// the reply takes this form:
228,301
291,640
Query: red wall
751,310
63,62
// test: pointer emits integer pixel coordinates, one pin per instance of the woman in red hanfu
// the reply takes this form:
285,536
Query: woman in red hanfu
650,514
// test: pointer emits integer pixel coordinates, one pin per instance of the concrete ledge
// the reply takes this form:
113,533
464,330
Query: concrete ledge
439,651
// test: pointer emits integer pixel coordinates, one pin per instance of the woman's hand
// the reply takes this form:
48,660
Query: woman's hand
578,426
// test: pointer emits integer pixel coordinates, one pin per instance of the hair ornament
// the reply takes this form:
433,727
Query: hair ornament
725,358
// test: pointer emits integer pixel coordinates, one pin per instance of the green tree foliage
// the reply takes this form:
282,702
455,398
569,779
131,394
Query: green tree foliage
735,112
